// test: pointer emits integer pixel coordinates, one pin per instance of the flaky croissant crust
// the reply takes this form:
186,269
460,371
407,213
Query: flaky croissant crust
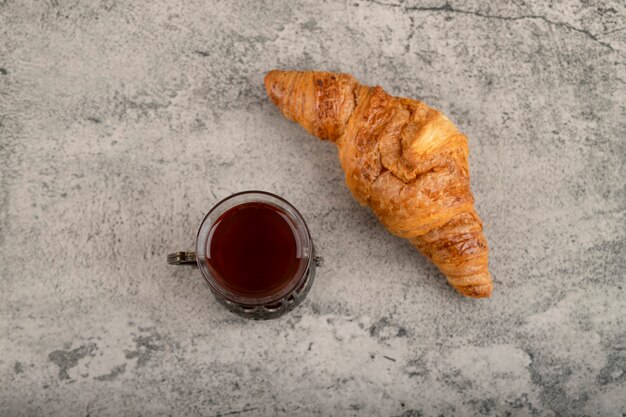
402,158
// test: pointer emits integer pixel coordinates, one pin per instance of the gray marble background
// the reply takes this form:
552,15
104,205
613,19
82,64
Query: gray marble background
122,122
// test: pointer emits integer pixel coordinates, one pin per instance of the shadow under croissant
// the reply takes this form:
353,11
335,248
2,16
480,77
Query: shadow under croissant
373,244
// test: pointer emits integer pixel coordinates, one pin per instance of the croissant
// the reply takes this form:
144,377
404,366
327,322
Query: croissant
405,160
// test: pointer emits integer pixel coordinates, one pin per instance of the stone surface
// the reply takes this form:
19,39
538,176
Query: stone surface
123,122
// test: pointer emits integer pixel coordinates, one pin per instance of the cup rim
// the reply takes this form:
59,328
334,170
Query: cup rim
219,290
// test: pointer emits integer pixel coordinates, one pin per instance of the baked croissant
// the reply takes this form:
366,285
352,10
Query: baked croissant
405,160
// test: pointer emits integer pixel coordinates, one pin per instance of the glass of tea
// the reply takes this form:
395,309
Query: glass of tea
255,251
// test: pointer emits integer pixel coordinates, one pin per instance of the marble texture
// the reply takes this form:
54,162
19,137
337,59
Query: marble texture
122,122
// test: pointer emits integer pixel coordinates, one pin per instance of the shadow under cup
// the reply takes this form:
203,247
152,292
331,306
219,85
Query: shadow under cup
255,251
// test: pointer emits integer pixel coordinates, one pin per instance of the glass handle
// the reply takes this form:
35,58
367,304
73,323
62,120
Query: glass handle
182,258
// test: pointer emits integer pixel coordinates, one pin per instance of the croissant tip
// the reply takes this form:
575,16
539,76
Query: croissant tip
271,74
476,291
273,85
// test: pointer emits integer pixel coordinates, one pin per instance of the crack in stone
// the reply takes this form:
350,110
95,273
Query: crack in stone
230,413
411,34
384,4
608,32
447,7
115,372
68,359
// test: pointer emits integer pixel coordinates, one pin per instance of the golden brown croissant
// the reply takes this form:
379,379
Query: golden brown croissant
403,159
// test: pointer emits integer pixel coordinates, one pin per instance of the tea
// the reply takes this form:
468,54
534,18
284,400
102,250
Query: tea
253,250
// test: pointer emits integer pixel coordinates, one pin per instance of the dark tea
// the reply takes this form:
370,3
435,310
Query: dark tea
253,250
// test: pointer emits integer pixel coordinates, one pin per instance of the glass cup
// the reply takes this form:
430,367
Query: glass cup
270,306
